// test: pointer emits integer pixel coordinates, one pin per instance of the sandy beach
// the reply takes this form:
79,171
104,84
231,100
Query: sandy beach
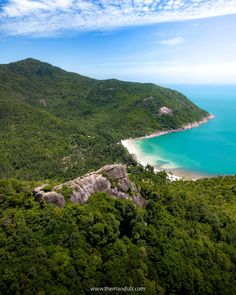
173,173
133,148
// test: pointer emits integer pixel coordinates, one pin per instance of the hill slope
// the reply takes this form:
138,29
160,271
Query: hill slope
182,243
61,124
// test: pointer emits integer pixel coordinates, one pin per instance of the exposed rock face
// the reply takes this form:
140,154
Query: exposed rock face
50,197
39,188
112,179
165,111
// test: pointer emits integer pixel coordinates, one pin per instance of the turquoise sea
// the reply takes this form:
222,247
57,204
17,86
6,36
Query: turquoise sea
207,150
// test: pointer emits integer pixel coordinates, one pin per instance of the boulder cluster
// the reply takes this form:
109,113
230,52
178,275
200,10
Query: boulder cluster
112,179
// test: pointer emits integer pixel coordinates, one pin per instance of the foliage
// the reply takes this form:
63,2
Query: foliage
66,192
182,243
56,124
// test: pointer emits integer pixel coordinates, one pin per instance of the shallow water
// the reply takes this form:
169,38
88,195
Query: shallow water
209,149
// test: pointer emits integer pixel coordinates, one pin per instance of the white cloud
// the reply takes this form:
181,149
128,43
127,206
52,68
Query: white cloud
173,41
165,72
45,17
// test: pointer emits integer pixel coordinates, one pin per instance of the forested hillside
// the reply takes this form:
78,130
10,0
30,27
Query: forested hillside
56,124
184,242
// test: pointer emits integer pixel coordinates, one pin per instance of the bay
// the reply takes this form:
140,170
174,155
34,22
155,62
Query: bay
209,149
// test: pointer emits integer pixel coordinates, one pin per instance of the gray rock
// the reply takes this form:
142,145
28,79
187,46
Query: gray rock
55,198
39,188
139,200
112,179
165,111
114,171
38,196
124,185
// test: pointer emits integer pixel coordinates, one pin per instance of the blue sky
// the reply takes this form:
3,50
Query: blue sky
165,42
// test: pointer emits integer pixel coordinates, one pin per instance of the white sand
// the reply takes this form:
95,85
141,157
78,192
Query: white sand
133,148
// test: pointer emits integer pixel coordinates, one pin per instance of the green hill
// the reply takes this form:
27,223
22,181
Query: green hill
56,124
183,242
59,125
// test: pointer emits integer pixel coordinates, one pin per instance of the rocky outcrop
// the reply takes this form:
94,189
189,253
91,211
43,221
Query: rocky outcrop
165,111
51,197
112,179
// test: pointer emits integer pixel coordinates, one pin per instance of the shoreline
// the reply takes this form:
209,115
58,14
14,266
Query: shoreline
173,173
185,127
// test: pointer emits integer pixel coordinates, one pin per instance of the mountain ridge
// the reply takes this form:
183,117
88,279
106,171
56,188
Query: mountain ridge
86,119
114,226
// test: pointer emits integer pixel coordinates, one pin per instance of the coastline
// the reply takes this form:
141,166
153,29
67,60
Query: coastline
173,174
183,128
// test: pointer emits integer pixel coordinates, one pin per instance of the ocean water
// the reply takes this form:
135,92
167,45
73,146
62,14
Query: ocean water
209,149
